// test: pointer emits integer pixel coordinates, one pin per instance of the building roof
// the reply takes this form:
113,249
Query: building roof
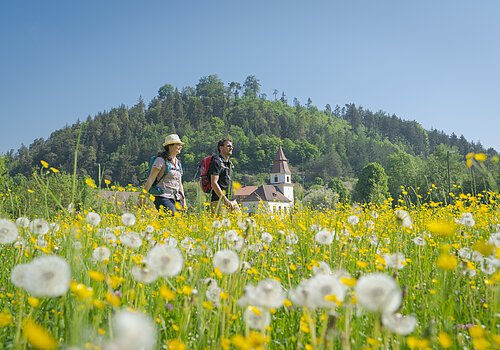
244,191
266,193
280,164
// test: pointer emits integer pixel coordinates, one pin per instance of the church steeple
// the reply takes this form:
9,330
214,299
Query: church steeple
280,164
281,176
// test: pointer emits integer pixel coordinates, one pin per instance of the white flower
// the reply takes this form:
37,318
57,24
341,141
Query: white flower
77,245
292,238
188,243
374,214
369,224
47,276
420,241
257,247
353,220
226,222
467,220
269,294
144,274
22,222
166,261
379,293
266,237
403,218
301,295
128,219
18,275
324,237
397,261
213,293
110,238
216,224
231,235
399,324
495,239
236,243
170,242
41,242
93,218
133,330
39,227
323,268
131,239
8,231
321,289
257,318
101,254
227,261
373,239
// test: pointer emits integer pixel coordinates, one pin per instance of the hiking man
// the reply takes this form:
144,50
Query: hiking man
220,172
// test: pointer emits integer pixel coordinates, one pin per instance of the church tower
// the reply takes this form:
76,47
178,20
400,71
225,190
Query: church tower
281,177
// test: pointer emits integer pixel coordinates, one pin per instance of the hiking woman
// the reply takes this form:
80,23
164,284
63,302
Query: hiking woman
167,171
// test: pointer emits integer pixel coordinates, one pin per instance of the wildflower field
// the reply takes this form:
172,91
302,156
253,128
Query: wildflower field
357,277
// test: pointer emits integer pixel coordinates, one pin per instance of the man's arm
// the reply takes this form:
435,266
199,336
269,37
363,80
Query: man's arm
218,191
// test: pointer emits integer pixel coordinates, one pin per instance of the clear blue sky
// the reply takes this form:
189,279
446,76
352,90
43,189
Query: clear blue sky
436,62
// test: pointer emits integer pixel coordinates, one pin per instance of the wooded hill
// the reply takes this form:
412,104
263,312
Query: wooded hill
321,144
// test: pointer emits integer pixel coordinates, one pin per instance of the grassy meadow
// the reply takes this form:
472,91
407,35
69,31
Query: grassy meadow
357,277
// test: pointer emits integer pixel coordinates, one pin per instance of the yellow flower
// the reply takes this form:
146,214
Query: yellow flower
287,303
34,302
5,319
361,264
484,248
107,182
37,336
90,182
236,185
207,305
476,331
175,344
114,281
480,157
166,293
348,281
54,170
480,343
447,262
417,343
224,295
113,299
442,228
44,164
187,290
96,275
445,340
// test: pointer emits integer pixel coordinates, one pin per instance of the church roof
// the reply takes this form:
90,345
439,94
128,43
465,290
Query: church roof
244,191
266,193
280,164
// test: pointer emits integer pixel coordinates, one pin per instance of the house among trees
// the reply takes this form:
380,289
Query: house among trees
277,197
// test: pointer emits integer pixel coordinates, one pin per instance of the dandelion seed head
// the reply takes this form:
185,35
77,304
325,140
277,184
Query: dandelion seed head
399,324
93,219
128,219
378,292
133,330
166,261
101,254
22,222
227,261
48,276
39,227
8,231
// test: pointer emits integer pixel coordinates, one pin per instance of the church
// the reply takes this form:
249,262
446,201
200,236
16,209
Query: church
277,197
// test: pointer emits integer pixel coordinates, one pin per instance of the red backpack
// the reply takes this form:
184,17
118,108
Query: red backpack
205,183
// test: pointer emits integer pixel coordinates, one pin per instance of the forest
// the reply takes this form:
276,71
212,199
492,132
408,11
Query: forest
328,148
